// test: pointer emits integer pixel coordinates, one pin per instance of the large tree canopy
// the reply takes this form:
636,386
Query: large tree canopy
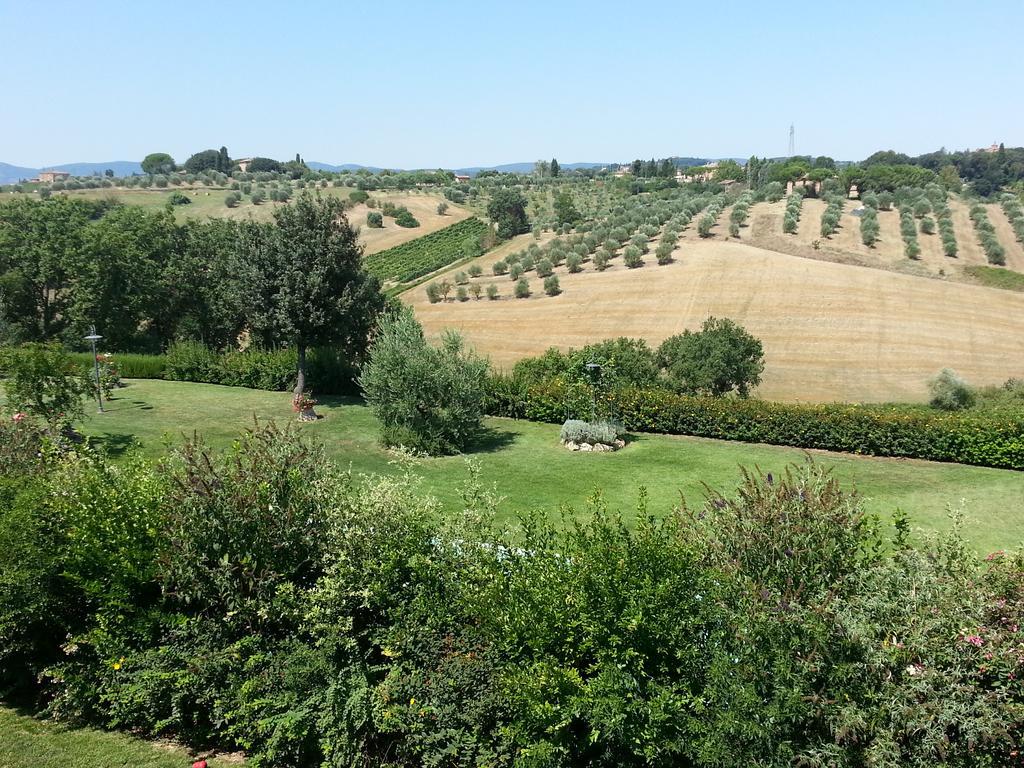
719,358
157,163
303,283
508,209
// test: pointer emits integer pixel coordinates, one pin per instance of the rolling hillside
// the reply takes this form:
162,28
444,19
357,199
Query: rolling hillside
831,331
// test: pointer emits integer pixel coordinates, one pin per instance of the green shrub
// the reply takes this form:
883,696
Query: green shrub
433,293
43,380
522,289
551,286
427,398
601,258
574,263
461,294
492,292
374,219
358,196
475,270
664,252
406,219
192,361
720,358
544,268
949,392
631,257
499,267
242,525
461,278
577,431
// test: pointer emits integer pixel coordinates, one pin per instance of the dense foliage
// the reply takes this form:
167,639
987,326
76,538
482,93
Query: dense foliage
428,398
301,280
262,600
43,380
507,208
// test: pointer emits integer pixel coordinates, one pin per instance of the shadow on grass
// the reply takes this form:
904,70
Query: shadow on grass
113,444
492,440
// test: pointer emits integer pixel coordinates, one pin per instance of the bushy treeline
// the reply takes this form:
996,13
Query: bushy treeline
144,281
70,264
260,599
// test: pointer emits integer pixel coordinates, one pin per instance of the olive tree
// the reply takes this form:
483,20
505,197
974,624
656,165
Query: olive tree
428,398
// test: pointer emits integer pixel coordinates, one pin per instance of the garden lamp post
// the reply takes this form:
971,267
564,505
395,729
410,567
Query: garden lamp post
594,371
92,338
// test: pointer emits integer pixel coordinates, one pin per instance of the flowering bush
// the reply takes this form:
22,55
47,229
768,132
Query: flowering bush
110,377
42,379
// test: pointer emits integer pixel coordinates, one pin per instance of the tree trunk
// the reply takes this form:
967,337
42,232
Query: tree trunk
300,384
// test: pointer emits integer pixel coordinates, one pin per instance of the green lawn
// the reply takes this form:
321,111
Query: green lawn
527,466
29,742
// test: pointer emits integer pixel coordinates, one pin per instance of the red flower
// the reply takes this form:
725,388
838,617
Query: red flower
199,764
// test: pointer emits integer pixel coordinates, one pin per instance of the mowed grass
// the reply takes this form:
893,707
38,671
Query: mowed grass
525,464
30,742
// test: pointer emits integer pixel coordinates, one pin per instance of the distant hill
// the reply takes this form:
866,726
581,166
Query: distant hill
343,167
11,174
119,167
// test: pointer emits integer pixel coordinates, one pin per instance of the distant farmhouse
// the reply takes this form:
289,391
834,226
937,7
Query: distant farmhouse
243,164
51,176
461,179
991,150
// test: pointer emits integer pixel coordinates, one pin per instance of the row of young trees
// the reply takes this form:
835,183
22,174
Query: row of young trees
831,215
144,280
791,216
994,251
1015,213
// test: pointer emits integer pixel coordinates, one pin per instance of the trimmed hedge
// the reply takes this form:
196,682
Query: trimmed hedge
129,365
274,370
328,372
984,439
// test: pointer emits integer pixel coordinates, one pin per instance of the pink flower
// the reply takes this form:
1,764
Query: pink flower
974,640
19,416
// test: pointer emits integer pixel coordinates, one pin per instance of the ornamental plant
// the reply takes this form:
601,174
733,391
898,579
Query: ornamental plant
42,379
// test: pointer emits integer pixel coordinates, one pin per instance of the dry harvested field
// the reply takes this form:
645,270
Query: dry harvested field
423,207
830,331
845,246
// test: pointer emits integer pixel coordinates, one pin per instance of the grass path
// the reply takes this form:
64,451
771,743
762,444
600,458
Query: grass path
526,465
30,742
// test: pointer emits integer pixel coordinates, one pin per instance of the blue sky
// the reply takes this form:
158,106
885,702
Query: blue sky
428,84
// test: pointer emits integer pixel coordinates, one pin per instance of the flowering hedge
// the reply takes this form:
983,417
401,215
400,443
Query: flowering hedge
985,439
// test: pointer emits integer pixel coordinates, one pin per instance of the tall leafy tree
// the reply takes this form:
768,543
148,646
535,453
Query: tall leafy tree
223,160
721,357
302,280
565,209
508,209
156,163
555,167
118,285
206,160
40,258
